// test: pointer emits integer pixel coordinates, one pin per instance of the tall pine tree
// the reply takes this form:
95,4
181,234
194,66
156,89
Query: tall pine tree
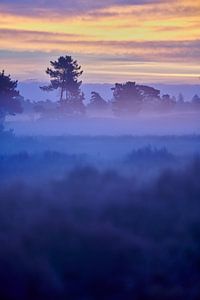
64,75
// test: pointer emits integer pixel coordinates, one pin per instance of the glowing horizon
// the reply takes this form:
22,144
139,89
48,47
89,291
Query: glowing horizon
144,41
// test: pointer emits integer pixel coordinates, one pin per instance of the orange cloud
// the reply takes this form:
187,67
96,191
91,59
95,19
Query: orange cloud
159,31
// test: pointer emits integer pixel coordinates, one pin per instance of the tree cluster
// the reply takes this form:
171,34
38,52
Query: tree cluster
128,98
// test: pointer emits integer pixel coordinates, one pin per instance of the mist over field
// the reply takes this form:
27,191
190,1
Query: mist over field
142,124
92,217
99,200
99,162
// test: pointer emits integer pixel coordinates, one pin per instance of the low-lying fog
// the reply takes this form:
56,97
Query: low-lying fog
100,216
157,124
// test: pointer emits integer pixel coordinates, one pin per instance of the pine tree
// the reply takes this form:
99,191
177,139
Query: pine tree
97,102
64,74
9,96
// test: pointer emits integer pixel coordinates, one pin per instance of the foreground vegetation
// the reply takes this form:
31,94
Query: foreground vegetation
100,218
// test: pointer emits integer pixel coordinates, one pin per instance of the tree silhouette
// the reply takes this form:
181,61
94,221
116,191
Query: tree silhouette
127,98
149,93
9,97
167,103
180,98
64,75
196,100
97,102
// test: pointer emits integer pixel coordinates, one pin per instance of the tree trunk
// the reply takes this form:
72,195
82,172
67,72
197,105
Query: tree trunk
61,95
2,120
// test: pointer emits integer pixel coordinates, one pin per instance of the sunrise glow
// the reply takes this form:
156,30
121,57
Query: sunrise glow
151,41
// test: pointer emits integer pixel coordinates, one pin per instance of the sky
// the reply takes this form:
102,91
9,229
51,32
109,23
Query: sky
145,41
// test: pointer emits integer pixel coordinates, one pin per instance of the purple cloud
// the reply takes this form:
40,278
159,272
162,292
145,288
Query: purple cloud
68,6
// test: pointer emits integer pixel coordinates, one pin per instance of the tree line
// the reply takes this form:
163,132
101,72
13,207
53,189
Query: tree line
128,98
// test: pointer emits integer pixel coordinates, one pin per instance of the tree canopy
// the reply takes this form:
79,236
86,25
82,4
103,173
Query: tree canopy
64,74
127,98
149,93
97,102
196,99
9,96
